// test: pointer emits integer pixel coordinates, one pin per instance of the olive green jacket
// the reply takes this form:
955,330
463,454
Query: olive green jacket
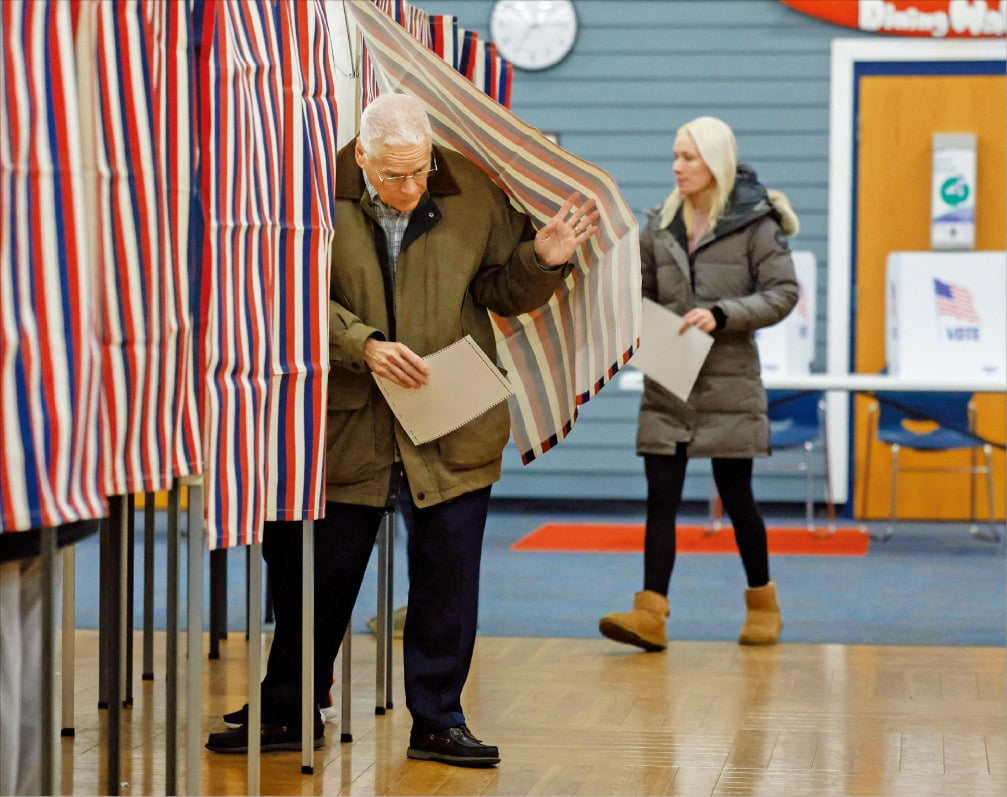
743,266
466,251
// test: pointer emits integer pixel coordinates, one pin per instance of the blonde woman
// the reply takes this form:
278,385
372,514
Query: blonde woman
716,253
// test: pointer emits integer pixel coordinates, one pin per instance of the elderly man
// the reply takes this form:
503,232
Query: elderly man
425,245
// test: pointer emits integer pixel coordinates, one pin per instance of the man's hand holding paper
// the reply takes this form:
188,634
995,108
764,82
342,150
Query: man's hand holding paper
459,384
396,362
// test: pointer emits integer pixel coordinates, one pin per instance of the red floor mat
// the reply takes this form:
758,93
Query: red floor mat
628,538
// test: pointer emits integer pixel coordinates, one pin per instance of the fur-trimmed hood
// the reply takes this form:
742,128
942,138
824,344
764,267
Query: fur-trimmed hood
749,199
787,217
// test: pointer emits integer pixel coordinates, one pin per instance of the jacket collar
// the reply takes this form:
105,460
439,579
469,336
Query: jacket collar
350,178
748,201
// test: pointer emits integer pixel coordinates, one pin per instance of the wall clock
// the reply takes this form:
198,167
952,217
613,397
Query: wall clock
533,34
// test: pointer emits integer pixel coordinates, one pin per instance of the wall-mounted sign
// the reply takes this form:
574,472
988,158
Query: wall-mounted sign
936,18
953,192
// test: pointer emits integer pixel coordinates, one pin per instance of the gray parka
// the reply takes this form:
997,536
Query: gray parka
743,267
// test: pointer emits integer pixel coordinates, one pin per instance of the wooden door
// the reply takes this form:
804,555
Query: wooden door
898,116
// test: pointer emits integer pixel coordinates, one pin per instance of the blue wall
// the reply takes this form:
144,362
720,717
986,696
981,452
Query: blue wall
639,69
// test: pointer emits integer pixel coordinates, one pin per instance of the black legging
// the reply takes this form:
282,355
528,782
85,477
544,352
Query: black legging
665,479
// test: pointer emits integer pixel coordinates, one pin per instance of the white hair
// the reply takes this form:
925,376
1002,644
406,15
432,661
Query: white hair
393,120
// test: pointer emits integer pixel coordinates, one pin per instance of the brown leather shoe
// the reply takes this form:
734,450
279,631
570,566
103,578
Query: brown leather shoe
456,746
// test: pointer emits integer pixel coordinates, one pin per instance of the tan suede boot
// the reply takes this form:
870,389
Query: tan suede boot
644,626
762,622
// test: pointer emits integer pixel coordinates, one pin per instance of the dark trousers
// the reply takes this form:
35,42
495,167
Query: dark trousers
344,539
444,553
665,480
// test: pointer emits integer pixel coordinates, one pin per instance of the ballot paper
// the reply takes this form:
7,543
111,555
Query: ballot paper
463,384
670,359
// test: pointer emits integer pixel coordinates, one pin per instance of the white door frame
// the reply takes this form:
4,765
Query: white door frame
846,54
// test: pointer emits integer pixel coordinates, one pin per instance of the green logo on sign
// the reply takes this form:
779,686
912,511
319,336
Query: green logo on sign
955,190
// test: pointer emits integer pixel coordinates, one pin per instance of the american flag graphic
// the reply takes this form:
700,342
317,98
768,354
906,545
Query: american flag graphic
954,301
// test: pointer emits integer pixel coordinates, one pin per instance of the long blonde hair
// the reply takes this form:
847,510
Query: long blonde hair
719,151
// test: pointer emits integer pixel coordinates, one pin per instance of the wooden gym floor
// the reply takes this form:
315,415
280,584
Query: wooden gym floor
590,717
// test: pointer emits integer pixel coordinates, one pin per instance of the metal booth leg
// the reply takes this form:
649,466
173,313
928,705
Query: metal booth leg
68,640
389,607
147,674
49,776
346,732
383,670
254,668
309,711
196,539
127,613
171,647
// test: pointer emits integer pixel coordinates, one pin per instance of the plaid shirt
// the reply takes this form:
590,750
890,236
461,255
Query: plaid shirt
392,222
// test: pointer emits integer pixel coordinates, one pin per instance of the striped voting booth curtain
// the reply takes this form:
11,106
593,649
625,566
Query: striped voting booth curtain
444,38
49,359
300,360
268,122
479,62
186,224
499,75
134,86
467,60
561,355
462,49
416,23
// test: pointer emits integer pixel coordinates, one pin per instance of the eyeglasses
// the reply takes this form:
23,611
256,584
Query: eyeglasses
422,174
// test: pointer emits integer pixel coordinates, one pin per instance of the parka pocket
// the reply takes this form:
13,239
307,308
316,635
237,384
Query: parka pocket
478,442
348,390
350,445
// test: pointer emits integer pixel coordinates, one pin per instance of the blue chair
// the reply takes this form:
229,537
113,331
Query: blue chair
797,420
935,422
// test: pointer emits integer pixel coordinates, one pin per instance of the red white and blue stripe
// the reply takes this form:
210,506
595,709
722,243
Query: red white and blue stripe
134,78
268,145
462,49
49,358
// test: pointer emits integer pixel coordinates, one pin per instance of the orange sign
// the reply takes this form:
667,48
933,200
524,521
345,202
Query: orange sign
933,18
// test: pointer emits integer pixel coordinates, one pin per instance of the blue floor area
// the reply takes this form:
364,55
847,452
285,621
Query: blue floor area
930,584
